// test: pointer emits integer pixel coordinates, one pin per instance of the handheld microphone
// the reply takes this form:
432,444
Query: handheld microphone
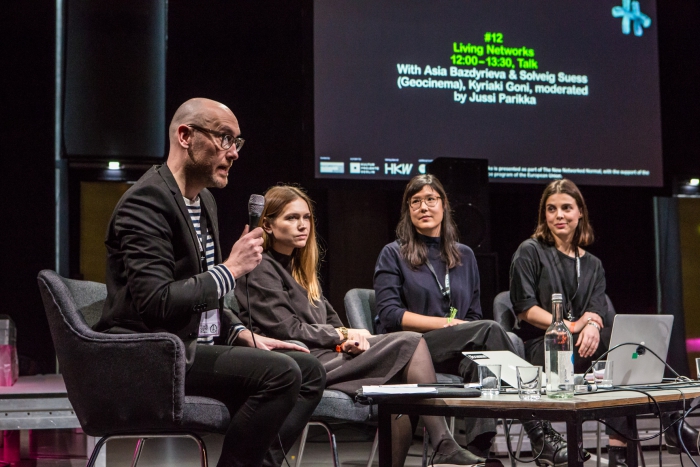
256,203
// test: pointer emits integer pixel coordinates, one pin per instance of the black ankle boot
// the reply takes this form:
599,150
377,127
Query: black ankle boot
481,445
547,444
689,434
617,456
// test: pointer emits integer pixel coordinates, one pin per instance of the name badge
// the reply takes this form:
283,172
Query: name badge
209,323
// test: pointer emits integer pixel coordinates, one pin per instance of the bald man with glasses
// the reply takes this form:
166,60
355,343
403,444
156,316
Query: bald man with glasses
165,273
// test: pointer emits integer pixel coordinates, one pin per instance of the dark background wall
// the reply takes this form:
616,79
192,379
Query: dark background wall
254,56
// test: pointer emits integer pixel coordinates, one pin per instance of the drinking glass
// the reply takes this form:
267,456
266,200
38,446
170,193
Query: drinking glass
529,382
603,373
490,380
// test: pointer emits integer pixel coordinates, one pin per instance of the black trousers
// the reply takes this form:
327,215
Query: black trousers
446,346
268,393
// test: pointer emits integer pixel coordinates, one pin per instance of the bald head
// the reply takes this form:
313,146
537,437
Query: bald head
199,111
197,158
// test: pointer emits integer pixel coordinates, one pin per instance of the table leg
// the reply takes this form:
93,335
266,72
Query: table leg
632,459
574,442
384,437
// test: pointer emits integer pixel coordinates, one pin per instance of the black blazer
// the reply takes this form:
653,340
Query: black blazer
155,278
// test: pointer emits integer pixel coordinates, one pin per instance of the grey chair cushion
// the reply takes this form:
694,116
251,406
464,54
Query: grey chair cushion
503,312
504,315
518,344
204,414
360,308
89,297
336,405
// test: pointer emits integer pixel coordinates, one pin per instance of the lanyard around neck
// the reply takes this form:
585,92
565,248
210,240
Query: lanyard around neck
569,304
445,291
203,239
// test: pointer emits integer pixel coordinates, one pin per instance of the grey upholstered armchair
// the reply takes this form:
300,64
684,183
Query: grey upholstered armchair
122,385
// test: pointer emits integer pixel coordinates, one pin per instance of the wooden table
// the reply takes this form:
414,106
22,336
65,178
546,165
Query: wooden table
574,411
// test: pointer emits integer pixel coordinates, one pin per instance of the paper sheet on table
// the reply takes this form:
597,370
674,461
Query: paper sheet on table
398,389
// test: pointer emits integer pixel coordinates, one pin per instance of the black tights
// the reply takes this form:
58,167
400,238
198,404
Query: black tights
419,370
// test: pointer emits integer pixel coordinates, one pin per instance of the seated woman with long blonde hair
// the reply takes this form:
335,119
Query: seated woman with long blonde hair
286,302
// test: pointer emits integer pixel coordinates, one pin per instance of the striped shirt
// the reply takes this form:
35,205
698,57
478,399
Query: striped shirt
225,281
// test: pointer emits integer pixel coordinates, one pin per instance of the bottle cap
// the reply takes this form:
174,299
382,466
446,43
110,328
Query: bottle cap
557,296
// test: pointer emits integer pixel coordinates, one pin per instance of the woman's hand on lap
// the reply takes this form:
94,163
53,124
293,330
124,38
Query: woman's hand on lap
588,340
453,322
355,346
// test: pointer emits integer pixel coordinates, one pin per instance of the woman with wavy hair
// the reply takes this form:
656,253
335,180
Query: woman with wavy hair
286,302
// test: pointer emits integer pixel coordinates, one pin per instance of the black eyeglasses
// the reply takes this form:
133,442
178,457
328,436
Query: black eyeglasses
430,201
227,140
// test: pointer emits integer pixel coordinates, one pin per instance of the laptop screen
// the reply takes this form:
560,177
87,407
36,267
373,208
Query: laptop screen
634,364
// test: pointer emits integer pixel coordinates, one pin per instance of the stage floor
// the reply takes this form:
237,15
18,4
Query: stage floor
354,444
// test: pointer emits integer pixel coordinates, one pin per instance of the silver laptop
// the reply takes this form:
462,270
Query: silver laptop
508,361
634,365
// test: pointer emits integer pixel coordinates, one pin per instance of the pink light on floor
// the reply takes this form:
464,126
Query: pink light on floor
692,345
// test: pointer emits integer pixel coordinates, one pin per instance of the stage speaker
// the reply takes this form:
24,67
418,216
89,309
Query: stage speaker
466,182
114,79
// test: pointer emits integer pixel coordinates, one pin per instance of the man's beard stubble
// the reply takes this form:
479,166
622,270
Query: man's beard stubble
201,172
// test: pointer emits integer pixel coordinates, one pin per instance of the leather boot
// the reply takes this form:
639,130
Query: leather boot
617,456
548,446
689,434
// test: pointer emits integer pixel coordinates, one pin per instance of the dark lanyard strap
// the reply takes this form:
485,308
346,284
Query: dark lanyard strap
203,239
570,301
444,290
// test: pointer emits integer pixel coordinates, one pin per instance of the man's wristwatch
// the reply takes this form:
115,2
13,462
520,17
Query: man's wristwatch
344,331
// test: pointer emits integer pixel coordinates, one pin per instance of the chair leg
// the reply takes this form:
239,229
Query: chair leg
521,437
142,438
96,451
452,425
204,462
374,449
598,450
426,442
302,445
506,435
137,452
331,439
641,453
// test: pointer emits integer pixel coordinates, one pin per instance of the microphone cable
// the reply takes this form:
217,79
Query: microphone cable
638,345
250,312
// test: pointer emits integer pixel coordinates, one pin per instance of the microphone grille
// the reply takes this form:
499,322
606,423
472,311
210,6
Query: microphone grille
256,203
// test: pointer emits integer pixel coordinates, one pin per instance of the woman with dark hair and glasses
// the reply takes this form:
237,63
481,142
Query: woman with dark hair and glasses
427,282
553,261
287,303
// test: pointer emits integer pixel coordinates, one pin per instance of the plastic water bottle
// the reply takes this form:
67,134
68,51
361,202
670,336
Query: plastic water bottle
558,354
